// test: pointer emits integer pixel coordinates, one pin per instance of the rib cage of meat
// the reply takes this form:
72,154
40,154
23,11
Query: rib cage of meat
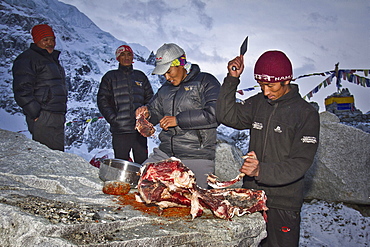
169,183
143,126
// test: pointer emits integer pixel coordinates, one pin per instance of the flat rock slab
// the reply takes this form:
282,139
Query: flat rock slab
52,198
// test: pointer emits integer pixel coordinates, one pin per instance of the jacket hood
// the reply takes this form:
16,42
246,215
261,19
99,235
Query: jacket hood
44,52
293,93
125,68
194,71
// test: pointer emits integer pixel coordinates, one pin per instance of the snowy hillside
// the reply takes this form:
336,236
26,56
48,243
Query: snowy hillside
87,53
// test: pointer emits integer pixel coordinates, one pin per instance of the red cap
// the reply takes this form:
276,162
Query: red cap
123,48
41,31
273,66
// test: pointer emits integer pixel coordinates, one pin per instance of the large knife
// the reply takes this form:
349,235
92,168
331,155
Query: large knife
243,49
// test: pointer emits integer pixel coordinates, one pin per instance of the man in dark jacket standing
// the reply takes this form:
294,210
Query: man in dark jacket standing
185,109
284,135
39,88
120,93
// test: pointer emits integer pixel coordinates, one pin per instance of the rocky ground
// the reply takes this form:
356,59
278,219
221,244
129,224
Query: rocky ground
67,213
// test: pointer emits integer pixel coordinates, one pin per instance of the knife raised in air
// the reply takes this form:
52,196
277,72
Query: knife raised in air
243,49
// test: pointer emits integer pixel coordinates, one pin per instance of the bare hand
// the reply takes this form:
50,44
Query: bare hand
238,63
142,110
168,121
251,165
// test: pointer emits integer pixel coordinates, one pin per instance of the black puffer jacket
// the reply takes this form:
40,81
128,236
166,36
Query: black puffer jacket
120,93
193,103
39,82
284,134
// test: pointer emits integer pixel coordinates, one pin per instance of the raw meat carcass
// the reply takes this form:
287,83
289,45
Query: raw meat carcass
169,183
143,126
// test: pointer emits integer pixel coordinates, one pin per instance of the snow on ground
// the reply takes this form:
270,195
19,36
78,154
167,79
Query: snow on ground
15,123
333,224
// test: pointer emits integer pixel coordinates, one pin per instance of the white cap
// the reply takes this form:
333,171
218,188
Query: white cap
164,57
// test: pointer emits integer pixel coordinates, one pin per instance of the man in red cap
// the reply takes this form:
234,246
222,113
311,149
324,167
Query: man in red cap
121,92
284,135
40,89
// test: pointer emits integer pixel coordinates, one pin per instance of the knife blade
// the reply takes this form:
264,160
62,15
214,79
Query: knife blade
243,49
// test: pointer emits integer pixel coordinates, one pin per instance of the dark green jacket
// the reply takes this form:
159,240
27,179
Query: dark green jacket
284,134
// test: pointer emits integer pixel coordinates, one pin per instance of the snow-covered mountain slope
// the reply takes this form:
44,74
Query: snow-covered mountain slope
87,53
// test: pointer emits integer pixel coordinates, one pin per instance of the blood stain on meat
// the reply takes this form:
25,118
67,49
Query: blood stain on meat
143,126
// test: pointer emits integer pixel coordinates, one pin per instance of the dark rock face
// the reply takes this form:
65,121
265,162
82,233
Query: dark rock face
341,168
51,198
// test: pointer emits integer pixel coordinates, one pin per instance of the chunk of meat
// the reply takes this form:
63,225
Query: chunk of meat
170,183
212,181
143,126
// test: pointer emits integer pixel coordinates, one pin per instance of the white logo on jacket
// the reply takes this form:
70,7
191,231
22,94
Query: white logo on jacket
257,126
278,129
309,139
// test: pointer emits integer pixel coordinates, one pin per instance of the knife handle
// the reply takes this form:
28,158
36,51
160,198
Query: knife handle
233,68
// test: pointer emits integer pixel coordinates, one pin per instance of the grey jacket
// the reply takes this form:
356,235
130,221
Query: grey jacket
193,103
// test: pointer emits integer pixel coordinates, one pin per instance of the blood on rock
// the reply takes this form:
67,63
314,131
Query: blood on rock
173,212
116,188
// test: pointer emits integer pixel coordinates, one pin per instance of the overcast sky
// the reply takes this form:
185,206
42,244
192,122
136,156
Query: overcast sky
314,34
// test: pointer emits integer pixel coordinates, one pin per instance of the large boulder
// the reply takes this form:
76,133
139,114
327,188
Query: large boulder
341,169
228,162
52,198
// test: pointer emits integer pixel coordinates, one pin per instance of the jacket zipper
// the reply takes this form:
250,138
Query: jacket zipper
173,114
267,132
200,139
129,80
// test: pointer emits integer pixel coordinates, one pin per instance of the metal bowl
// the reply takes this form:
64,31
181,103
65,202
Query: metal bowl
121,170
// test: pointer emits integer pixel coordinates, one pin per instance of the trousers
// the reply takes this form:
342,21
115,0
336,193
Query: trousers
48,129
124,143
283,228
